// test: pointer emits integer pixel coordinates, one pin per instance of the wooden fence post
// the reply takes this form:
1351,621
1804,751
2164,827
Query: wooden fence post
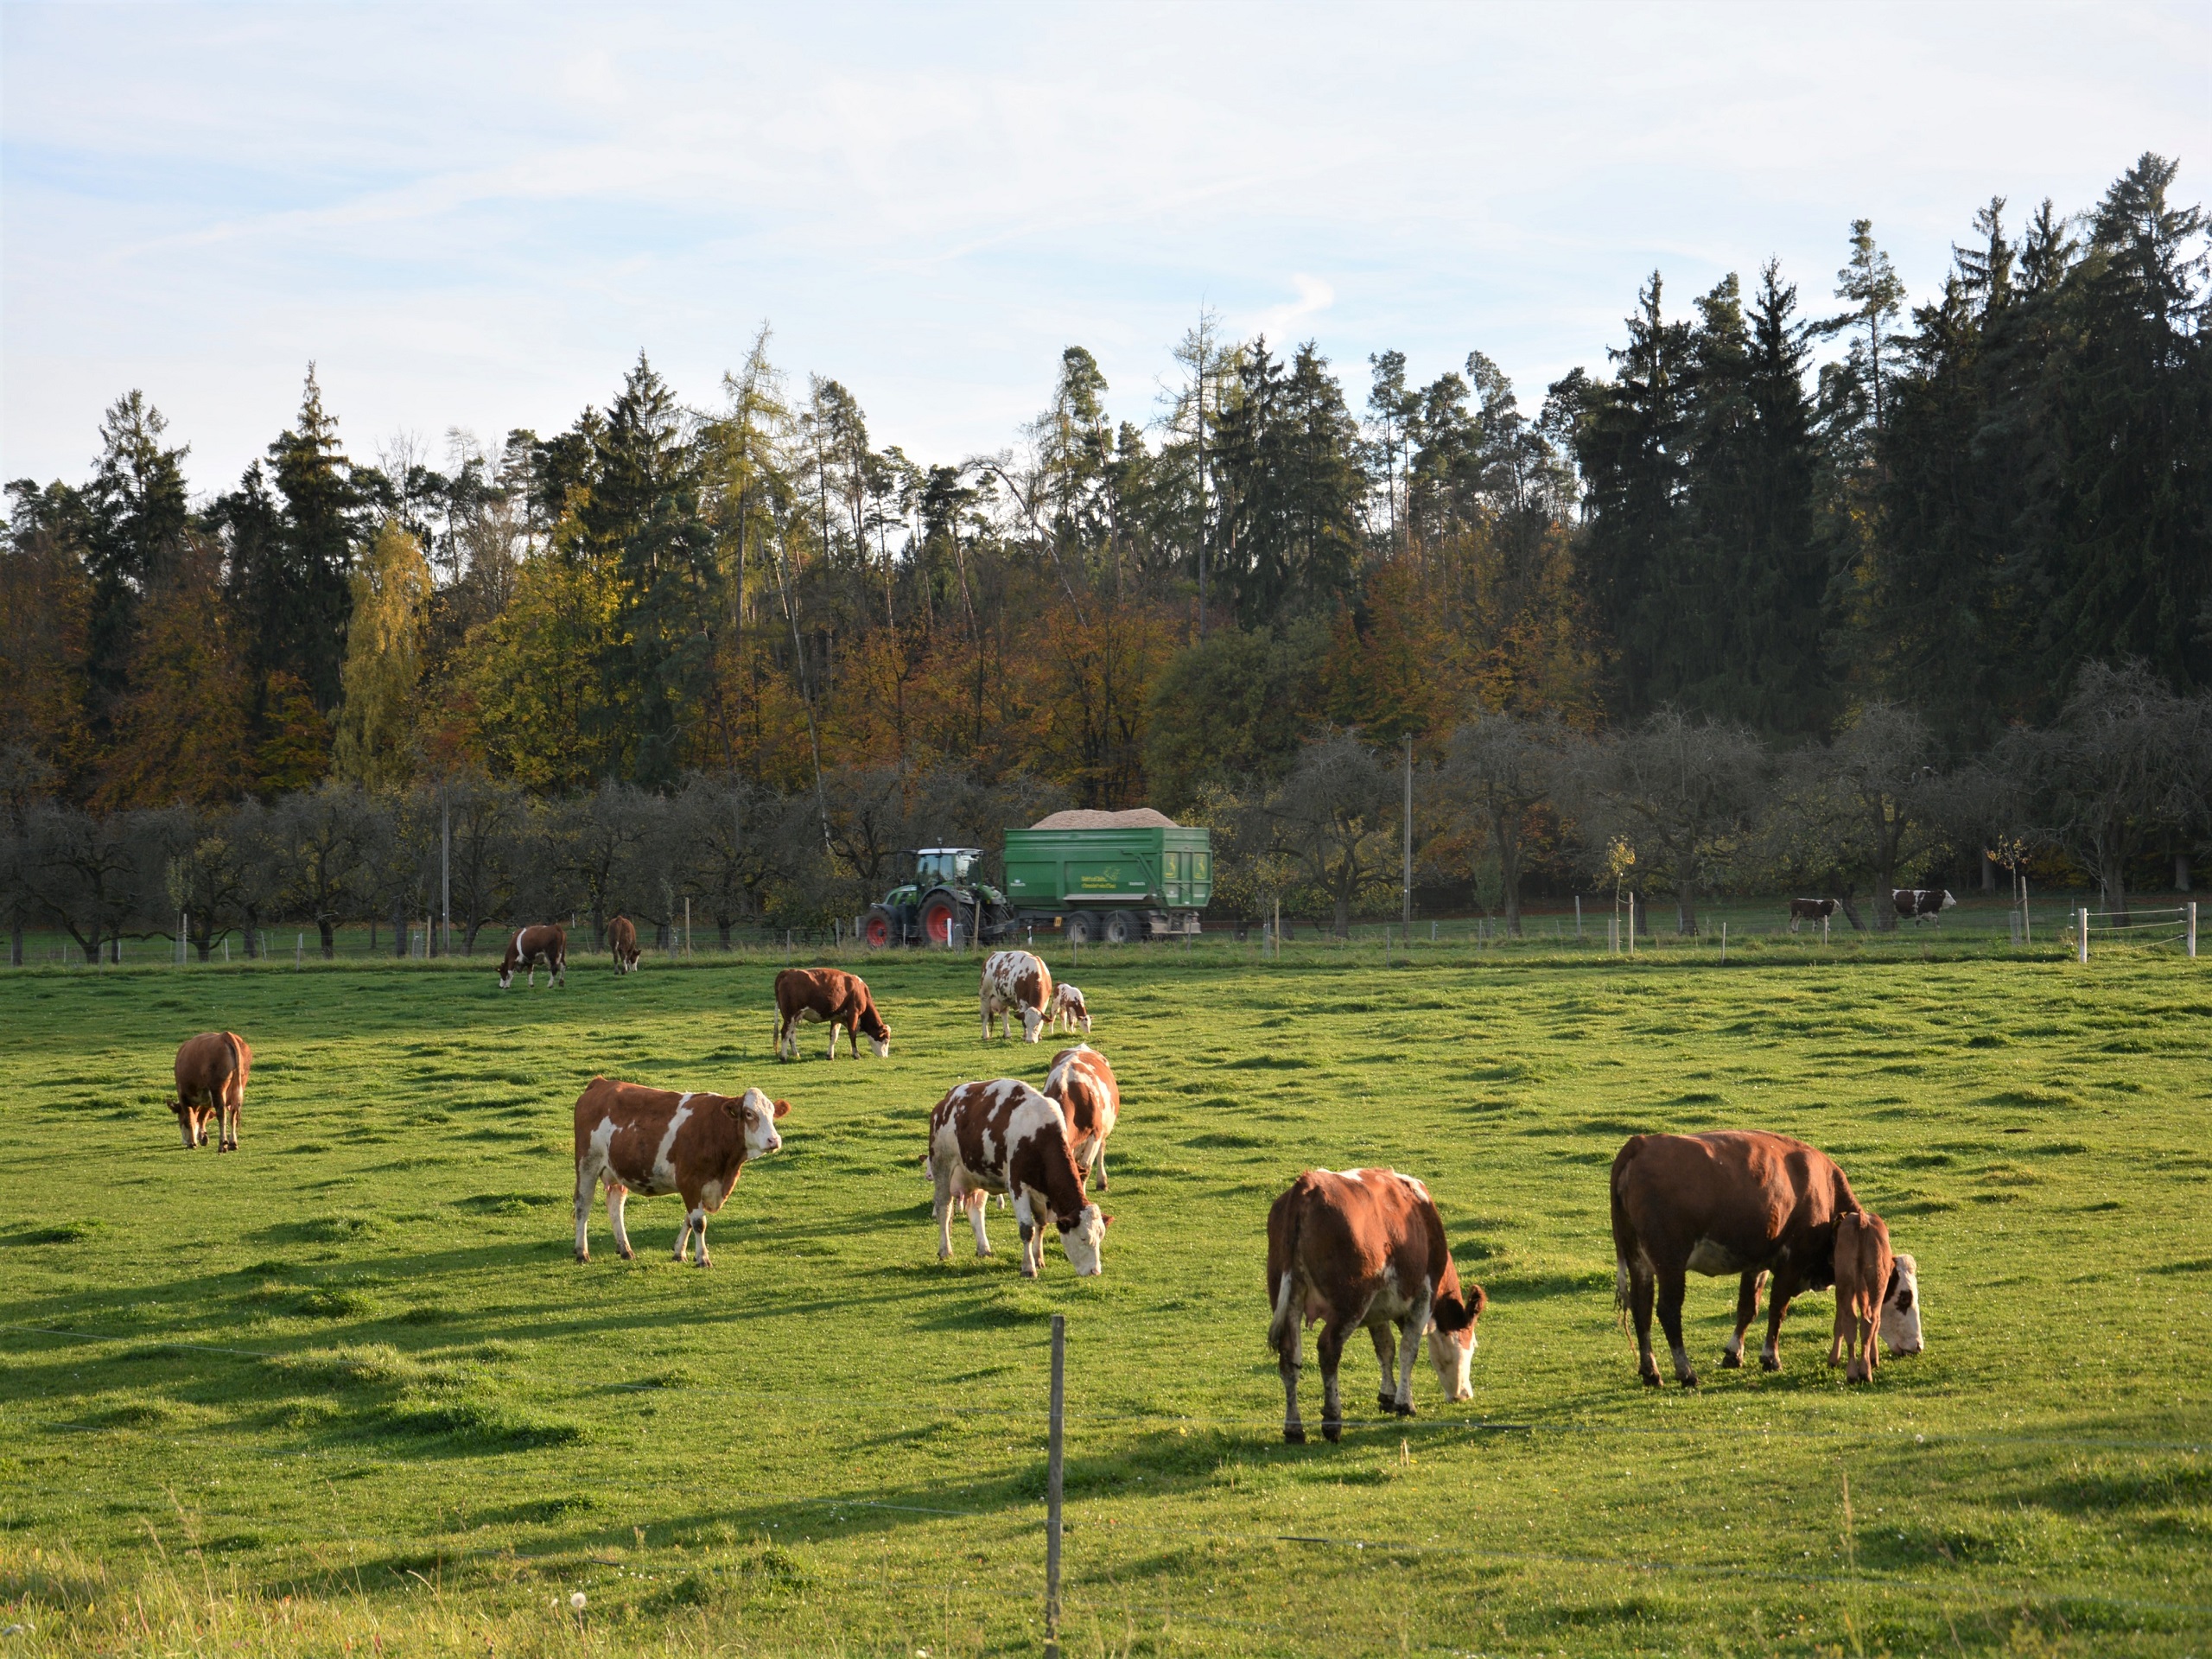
2081,934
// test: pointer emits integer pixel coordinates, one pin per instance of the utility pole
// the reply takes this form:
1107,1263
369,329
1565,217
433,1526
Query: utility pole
445,872
1407,865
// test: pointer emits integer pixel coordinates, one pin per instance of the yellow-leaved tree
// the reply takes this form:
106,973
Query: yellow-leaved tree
384,664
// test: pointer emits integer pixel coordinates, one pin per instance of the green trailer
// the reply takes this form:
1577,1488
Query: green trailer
1119,883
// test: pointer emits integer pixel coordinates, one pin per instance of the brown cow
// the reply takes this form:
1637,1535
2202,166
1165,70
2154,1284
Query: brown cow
1864,1269
211,1073
1014,980
1739,1201
1005,1137
622,944
1083,1086
654,1140
1813,909
1365,1247
547,944
832,995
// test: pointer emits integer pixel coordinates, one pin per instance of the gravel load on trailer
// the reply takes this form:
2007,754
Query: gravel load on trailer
1084,817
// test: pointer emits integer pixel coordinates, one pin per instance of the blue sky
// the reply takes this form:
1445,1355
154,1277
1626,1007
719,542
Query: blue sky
476,215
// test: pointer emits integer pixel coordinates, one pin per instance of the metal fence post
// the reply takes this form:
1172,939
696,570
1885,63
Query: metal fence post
2081,933
1052,1489
2192,930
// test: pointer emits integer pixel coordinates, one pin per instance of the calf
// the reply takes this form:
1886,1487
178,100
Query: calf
622,944
1863,1267
547,944
830,994
1366,1248
1920,903
1068,1010
655,1141
1733,1201
211,1072
1005,1137
1015,982
1812,909
1084,1086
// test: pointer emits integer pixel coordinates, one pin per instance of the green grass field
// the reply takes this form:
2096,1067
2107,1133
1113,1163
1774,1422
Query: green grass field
348,1390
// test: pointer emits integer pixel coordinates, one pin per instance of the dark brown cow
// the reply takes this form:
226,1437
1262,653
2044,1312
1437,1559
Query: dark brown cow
1005,1137
546,944
1918,904
653,1140
1015,982
211,1073
1864,1269
622,944
1739,1201
1090,1099
832,995
1366,1247
1812,909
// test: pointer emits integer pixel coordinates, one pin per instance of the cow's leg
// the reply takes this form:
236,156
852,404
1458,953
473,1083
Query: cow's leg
833,1040
684,1235
1747,1309
1784,1286
1386,1354
941,1208
616,1192
1672,1288
695,1223
184,1122
1847,1324
1288,1359
237,1112
587,1178
1331,1346
1640,1285
1410,1329
975,1201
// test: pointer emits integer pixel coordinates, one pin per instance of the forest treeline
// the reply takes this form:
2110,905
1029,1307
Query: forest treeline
1762,515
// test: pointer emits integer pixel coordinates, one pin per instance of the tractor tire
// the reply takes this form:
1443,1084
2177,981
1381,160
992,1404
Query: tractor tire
1123,928
1082,928
939,912
879,928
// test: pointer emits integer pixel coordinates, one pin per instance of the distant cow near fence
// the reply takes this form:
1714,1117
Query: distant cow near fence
1918,904
1812,909
622,944
545,945
211,1072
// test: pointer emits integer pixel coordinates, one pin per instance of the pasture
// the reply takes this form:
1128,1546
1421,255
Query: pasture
348,1389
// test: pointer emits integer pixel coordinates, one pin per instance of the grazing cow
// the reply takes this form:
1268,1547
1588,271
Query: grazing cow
1089,1098
1068,1010
622,944
830,995
1901,1308
1015,982
1366,1248
1005,1137
211,1072
1920,903
1812,909
546,944
654,1140
1733,1201
1864,1266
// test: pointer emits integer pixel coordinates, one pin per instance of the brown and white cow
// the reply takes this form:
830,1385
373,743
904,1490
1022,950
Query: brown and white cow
1365,1247
1864,1266
1918,904
1089,1098
622,944
1005,1137
1069,1012
211,1073
653,1140
546,944
830,994
1734,1201
1812,909
1016,982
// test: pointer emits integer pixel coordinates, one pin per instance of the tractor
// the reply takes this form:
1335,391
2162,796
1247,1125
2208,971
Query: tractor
942,896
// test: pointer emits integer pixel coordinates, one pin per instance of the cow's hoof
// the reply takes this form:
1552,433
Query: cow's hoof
1293,1434
1387,1401
1770,1362
703,1262
629,1255
1651,1379
1689,1379
1332,1432
583,1255
1730,1360
1406,1410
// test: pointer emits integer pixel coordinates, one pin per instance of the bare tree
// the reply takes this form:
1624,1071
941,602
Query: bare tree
1335,818
1498,768
1683,793
1862,813
320,841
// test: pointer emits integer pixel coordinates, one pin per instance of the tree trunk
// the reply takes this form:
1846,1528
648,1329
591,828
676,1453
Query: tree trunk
1344,914
721,927
468,937
1509,870
16,943
330,933
2181,884
1851,910
399,931
1643,924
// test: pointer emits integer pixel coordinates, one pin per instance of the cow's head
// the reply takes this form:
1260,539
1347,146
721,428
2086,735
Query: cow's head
879,1034
1947,901
756,1116
506,974
1901,1307
1451,1339
1033,1021
1082,1239
194,1121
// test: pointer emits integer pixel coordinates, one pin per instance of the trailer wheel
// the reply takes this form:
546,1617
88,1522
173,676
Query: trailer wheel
1123,928
879,928
1082,929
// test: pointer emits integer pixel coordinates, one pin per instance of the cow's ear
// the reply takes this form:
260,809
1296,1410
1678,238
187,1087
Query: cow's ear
782,1106
1105,1220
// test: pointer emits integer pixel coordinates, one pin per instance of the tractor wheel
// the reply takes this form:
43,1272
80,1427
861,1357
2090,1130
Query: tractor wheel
939,912
879,928
1082,928
1123,928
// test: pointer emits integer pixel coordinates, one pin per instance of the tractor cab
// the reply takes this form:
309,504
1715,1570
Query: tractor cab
944,866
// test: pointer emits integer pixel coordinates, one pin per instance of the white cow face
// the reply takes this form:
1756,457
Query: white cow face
1081,1241
1901,1310
1453,1353
881,1046
757,1114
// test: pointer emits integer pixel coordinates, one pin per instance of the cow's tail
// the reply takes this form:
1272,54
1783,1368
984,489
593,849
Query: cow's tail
1624,1244
1282,1329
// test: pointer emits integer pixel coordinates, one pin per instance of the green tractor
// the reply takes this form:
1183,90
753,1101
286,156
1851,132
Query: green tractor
942,896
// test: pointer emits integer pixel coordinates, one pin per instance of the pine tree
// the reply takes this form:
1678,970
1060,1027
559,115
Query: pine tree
136,516
302,590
